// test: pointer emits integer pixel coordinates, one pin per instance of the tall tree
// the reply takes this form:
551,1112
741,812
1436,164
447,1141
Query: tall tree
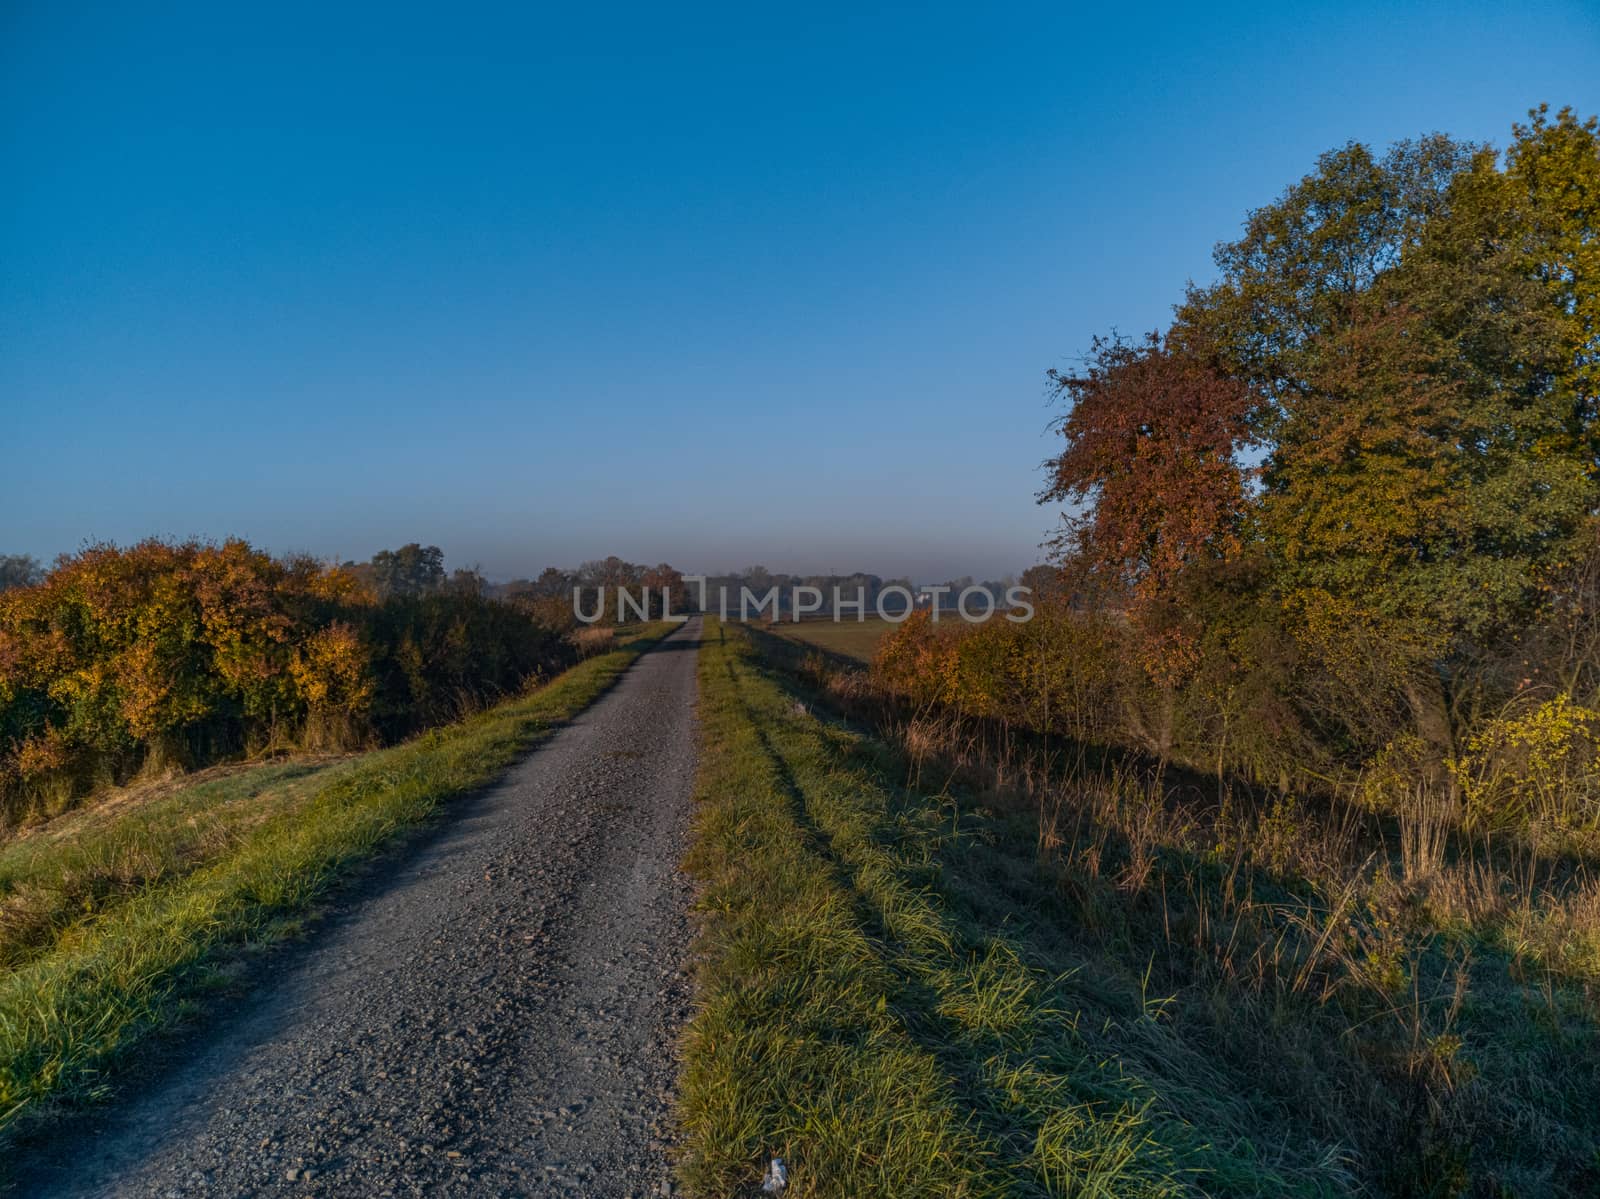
1554,167
1151,464
1412,344
1428,470
1297,273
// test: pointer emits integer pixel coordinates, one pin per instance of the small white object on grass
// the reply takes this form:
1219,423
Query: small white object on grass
777,1178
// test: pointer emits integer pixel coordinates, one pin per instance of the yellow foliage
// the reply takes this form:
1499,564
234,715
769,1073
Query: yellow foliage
1540,764
123,656
330,669
41,754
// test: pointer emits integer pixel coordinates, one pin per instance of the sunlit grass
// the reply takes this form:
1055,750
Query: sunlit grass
863,1021
921,980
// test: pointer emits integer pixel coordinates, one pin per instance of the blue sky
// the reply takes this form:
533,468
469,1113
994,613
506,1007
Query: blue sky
705,284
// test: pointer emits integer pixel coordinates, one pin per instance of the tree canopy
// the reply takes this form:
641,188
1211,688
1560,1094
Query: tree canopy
1387,400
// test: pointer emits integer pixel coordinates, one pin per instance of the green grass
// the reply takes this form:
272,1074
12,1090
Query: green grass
134,914
89,860
876,1007
849,639
902,992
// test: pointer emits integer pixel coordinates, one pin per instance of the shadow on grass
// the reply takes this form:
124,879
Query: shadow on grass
917,1001
1250,1078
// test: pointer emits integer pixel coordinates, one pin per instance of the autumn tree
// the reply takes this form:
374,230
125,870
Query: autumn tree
1151,465
554,583
1409,344
661,580
1433,470
1045,583
467,580
164,653
1152,468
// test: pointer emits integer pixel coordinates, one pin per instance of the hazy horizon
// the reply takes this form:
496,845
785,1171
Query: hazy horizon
694,569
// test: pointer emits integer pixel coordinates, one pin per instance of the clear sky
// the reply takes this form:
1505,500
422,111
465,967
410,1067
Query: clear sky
697,283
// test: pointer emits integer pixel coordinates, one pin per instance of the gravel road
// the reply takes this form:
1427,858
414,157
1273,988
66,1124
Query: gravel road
495,1016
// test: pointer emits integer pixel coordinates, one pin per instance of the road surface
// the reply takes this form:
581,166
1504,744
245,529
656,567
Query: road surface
496,1016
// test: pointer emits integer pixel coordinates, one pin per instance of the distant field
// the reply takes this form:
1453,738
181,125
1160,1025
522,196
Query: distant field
853,639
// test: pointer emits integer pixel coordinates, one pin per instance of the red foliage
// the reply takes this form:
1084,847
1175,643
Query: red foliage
1153,434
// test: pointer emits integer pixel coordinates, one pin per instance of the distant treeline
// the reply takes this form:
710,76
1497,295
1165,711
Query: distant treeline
119,660
555,588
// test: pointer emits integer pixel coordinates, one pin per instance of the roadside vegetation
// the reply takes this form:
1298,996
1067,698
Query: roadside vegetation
1334,530
922,977
119,663
116,919
1262,860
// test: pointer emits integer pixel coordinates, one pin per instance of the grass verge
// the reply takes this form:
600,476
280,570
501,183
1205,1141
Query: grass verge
227,875
874,1010
911,991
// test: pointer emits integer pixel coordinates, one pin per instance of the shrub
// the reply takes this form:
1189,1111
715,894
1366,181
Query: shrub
1538,766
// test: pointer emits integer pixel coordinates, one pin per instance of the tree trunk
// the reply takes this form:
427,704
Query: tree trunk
1430,719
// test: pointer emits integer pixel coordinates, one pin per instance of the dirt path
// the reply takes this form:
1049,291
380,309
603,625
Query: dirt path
497,1017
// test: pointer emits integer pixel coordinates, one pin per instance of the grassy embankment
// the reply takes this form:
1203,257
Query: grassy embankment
117,919
904,992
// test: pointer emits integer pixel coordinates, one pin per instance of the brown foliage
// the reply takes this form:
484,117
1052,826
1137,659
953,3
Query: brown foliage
1152,436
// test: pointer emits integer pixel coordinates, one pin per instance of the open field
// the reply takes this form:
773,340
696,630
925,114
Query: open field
847,638
850,639
116,924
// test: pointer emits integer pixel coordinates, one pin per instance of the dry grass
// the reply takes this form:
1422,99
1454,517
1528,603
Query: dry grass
594,639
1350,1003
